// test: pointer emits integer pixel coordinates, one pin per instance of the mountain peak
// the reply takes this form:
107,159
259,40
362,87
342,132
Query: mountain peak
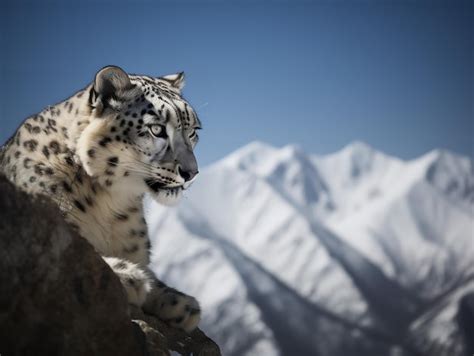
248,155
358,146
292,150
267,157
256,146
450,173
252,149
358,149
441,154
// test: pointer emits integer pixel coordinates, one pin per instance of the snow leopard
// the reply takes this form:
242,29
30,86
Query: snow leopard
96,154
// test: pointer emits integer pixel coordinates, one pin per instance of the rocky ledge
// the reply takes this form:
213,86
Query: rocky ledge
57,296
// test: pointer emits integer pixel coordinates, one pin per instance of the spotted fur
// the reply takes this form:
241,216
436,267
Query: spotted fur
96,154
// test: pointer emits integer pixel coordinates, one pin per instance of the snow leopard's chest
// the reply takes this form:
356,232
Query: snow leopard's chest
113,223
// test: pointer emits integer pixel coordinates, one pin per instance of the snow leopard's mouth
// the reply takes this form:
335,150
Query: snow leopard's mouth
158,186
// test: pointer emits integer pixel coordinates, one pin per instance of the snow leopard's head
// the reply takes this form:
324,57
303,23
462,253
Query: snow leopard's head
141,134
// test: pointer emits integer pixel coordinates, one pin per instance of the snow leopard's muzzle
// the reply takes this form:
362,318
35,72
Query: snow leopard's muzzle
168,191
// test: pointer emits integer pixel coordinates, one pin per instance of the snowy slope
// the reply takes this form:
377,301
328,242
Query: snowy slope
285,249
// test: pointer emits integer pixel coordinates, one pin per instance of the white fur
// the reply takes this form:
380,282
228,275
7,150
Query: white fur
136,282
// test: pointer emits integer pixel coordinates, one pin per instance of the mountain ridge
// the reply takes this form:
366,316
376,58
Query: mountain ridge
294,215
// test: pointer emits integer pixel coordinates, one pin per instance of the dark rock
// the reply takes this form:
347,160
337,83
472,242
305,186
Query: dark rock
160,337
58,297
465,318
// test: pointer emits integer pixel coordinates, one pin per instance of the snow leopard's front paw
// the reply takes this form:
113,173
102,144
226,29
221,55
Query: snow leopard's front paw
176,308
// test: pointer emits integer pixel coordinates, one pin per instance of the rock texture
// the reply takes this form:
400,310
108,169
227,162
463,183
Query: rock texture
57,296
465,318
160,337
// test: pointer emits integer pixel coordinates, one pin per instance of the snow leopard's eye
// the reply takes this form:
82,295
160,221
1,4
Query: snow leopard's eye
158,131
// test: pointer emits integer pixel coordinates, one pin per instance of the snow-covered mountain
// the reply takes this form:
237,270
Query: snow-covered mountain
353,253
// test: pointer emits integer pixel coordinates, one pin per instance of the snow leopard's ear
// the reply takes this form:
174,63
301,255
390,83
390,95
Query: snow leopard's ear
175,80
111,85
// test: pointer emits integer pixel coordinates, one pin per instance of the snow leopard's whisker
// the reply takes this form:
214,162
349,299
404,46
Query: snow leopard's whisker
134,160
135,169
145,164
202,106
136,165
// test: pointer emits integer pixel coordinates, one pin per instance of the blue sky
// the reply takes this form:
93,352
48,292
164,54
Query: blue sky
396,74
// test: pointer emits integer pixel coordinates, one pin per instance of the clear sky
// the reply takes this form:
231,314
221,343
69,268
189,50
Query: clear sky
398,75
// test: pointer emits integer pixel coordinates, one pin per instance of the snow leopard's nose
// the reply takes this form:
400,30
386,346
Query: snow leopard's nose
186,163
187,175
